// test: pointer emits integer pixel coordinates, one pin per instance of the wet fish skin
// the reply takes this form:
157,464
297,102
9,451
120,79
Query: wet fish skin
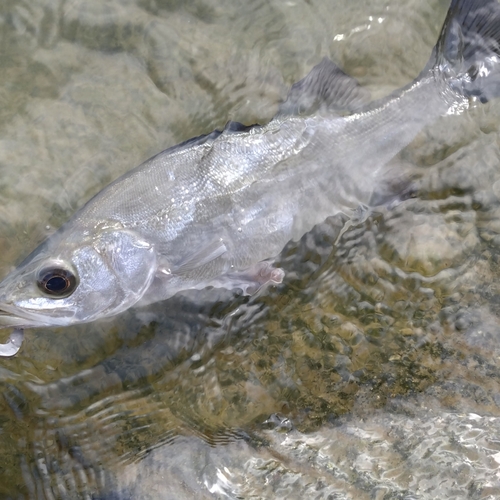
211,210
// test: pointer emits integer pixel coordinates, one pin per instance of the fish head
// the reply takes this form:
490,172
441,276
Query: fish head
76,277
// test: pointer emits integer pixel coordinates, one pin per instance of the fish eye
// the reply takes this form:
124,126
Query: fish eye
57,282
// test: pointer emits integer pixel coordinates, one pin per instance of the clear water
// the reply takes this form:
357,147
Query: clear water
372,372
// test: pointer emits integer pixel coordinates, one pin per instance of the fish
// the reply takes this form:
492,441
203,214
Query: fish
213,211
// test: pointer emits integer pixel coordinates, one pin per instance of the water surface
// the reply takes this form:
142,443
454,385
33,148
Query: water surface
372,372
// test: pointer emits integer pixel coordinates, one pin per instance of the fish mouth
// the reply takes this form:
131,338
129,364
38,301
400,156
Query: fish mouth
10,318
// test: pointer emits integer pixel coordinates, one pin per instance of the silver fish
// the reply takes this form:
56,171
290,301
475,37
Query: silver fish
210,211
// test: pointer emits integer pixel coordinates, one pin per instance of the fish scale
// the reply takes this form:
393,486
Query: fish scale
212,210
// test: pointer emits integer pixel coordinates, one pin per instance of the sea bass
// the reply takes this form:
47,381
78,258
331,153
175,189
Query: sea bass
210,211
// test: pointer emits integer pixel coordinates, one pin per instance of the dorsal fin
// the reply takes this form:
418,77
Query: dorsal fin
194,141
232,126
326,86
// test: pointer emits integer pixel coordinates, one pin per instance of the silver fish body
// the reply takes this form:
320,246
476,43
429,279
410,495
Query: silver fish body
211,210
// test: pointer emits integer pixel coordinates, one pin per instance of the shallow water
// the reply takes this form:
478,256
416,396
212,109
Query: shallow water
372,372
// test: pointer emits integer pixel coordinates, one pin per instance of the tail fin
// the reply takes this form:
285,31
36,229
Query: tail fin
468,49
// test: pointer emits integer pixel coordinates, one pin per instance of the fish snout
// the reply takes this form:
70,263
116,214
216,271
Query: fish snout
9,318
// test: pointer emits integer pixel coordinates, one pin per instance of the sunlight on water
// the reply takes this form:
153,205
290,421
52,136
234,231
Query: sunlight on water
372,371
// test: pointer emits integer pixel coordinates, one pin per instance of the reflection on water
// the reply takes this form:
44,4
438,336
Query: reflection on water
372,372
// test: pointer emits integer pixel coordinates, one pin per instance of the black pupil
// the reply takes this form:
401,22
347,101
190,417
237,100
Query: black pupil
56,284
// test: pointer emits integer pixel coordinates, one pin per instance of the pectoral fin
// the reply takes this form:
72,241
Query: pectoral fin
200,257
